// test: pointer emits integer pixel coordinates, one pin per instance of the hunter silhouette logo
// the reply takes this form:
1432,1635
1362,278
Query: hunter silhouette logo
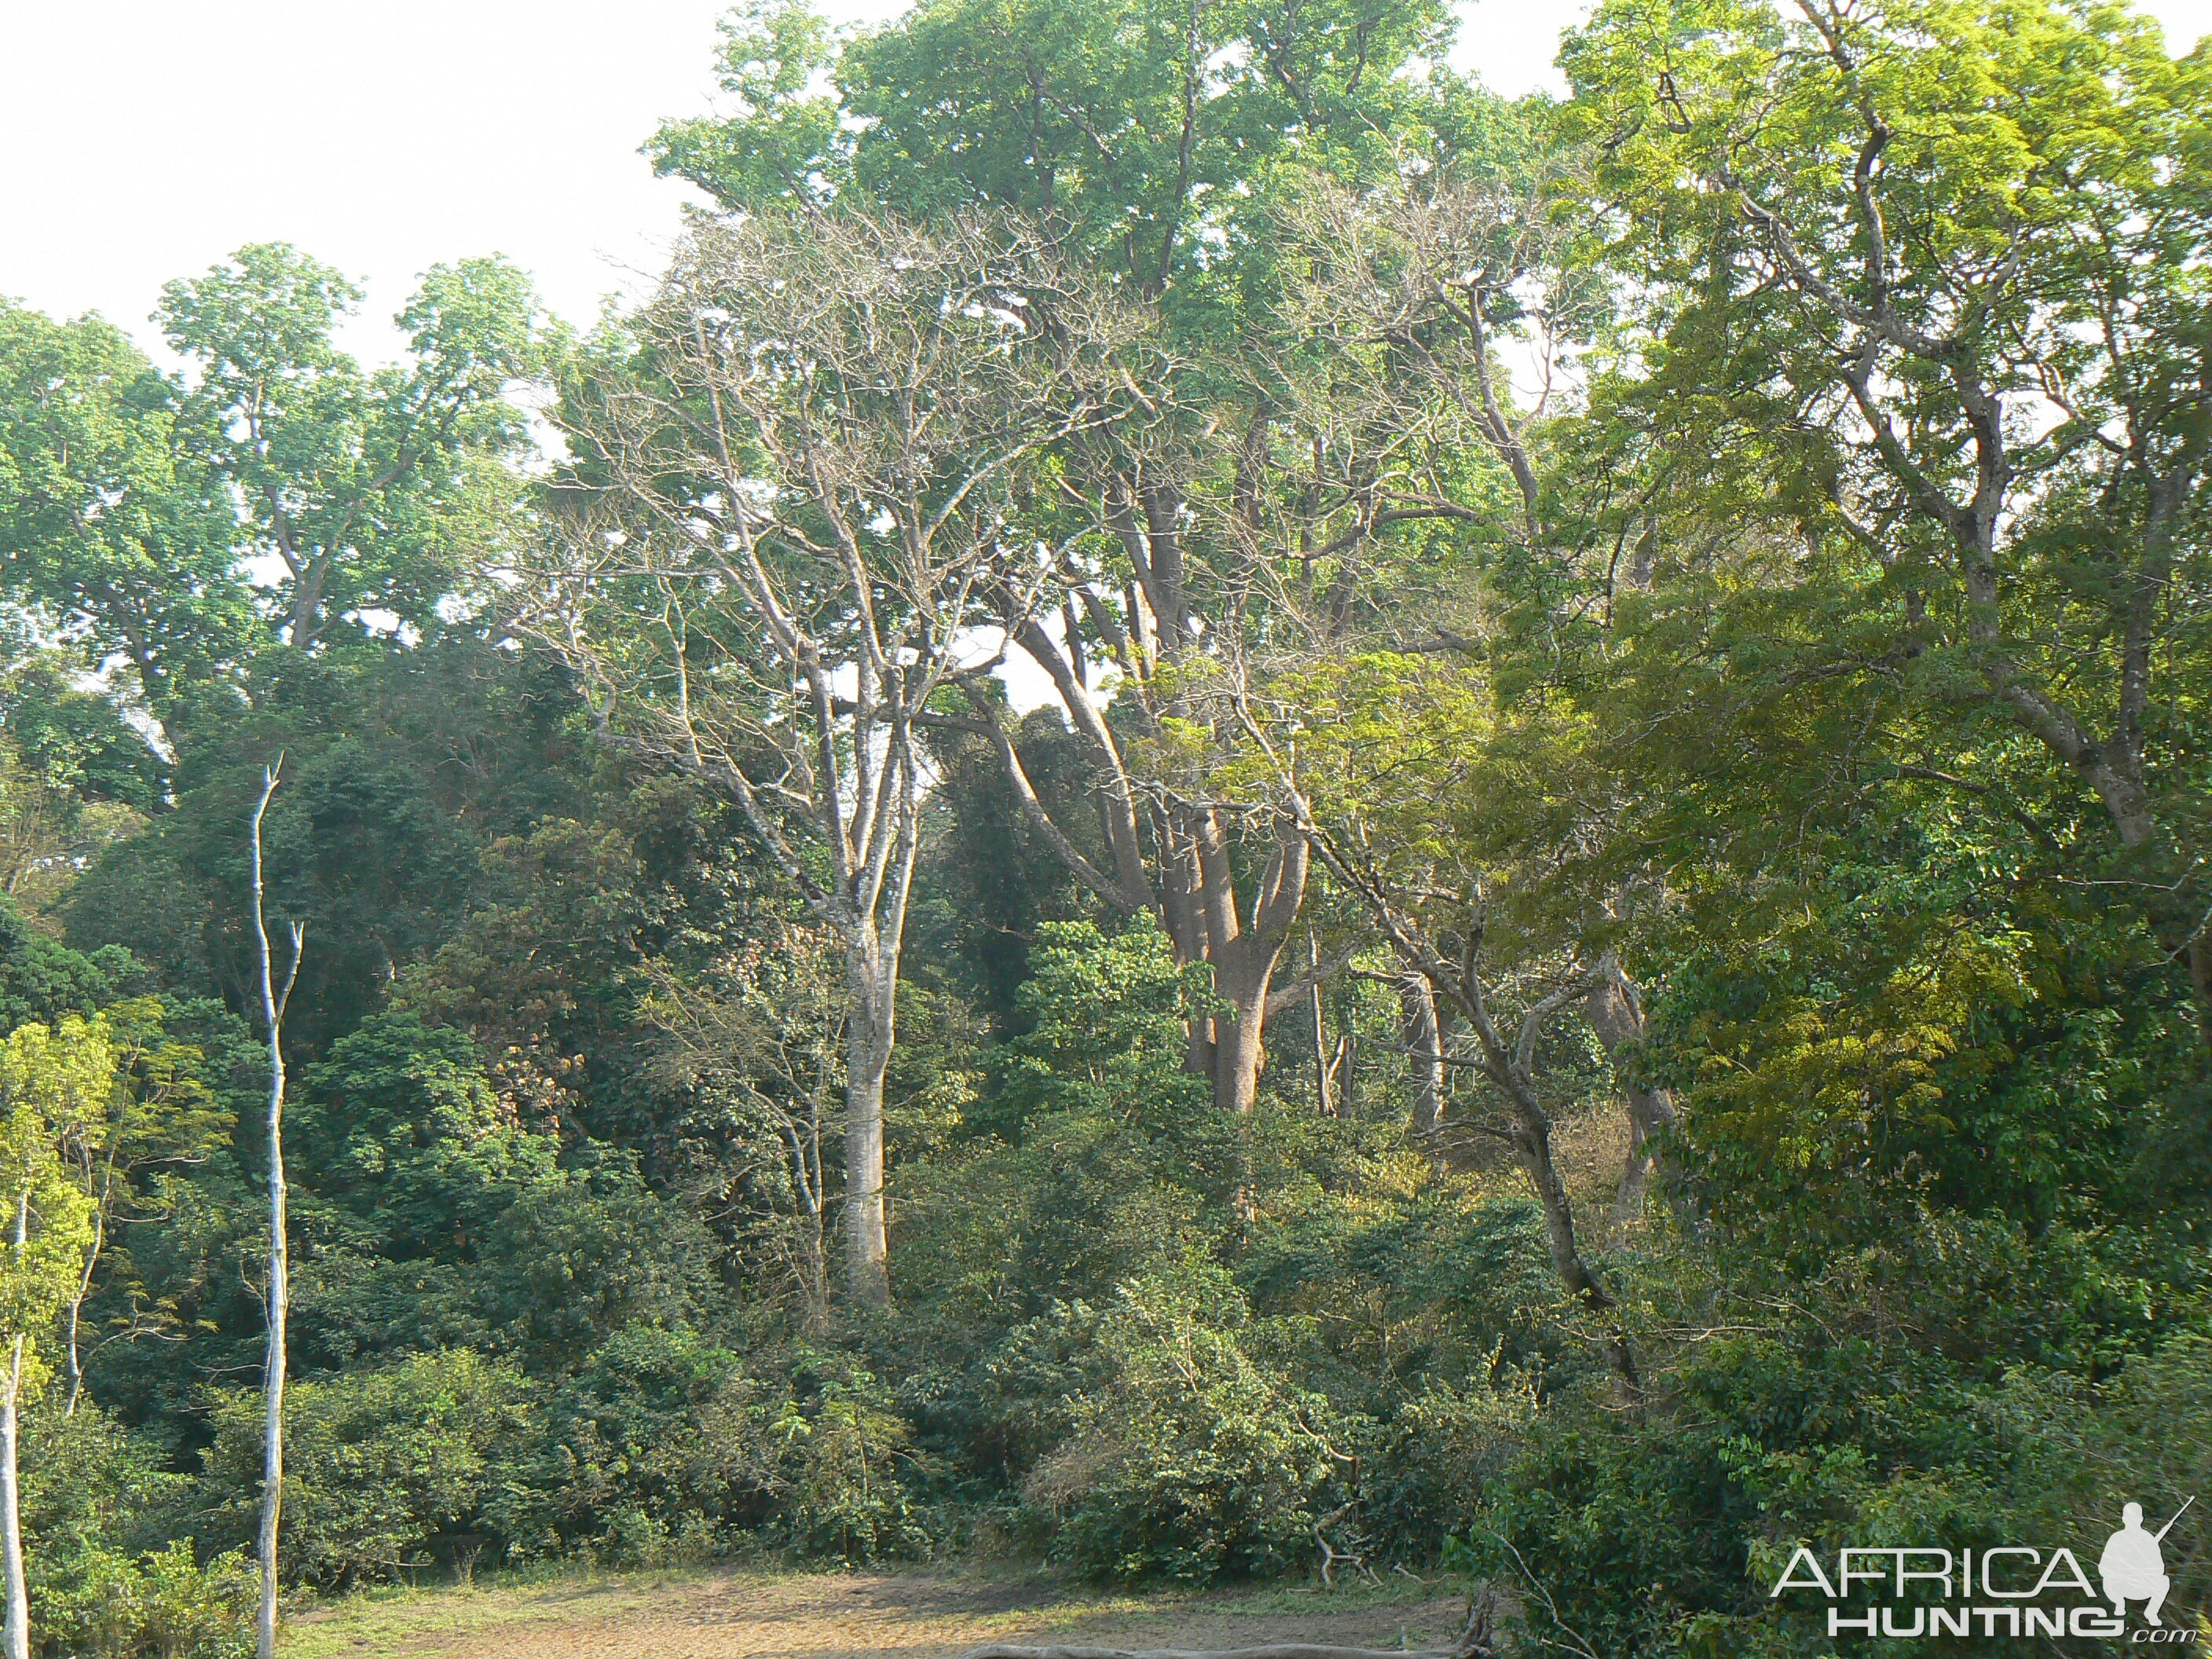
2011,1591
2133,1568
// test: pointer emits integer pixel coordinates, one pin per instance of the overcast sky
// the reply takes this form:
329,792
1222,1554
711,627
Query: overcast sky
144,139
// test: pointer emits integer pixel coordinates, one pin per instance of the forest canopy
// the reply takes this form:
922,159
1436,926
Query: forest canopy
1217,805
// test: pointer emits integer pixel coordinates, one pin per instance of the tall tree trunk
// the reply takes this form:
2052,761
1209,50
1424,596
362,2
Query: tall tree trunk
869,1031
15,1629
1324,1097
75,1314
1616,1013
273,1005
272,1455
1425,1058
1240,1049
1243,956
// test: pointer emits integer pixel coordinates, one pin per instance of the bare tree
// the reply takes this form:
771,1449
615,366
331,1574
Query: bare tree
1479,874
1240,509
787,507
273,1005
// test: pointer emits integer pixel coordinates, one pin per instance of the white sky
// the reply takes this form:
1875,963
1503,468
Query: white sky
144,139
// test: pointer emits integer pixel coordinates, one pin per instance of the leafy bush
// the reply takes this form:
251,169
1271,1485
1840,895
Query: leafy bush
656,1440
848,1465
384,1469
586,1253
162,1605
1190,1460
97,1502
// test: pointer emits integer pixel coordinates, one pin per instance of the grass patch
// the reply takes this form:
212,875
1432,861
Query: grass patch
980,1601
378,1620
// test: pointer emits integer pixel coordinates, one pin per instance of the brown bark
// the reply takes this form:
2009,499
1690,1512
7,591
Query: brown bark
1244,955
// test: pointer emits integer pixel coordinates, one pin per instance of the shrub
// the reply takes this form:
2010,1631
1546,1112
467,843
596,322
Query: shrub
384,1469
1192,1462
95,1499
162,1605
845,1457
659,1430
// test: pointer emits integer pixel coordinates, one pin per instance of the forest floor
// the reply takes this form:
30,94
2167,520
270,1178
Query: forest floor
737,1613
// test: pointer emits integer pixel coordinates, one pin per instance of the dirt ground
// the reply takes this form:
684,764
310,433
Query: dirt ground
747,1616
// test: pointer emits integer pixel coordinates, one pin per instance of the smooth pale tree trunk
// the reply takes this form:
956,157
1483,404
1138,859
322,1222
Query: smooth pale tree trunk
273,1005
872,984
1616,1014
1207,923
75,1312
1239,1051
1324,1096
272,1463
15,1630
1424,1059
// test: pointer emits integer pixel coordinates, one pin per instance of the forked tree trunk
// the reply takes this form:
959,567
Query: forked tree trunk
273,1005
1207,924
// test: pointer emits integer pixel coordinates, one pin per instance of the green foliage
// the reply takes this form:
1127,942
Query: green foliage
109,528
383,1468
652,1444
51,1080
1862,728
1190,1460
42,981
164,1602
97,1502
76,740
848,1462
353,482
1106,1155
579,1258
401,1130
